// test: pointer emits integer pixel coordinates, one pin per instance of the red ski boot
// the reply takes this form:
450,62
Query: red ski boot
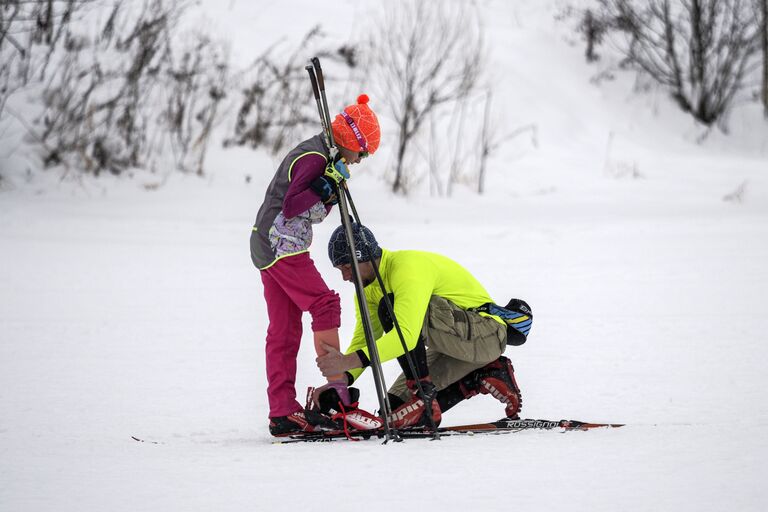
341,404
300,422
416,411
498,380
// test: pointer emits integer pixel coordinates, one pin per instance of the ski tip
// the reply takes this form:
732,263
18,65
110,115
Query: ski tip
139,440
581,425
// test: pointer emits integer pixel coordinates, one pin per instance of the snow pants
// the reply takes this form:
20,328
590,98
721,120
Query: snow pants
291,286
457,341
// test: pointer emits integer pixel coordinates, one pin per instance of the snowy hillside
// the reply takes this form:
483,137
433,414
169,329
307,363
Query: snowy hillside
129,312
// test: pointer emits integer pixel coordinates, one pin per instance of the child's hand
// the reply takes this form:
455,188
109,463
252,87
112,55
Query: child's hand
326,188
338,171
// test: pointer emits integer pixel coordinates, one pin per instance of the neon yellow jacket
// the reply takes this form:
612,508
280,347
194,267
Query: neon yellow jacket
414,277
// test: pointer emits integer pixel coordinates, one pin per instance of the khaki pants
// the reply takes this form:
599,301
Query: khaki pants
457,342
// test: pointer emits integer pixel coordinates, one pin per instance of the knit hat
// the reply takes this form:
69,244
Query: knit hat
365,245
357,127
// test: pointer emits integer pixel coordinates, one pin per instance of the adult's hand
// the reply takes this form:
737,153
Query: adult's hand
334,362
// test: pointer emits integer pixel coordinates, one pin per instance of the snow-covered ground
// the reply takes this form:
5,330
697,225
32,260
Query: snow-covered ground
135,313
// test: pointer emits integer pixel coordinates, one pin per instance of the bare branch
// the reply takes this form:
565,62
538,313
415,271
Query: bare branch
425,55
699,49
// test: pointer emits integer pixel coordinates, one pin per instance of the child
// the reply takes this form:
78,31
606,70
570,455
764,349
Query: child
302,193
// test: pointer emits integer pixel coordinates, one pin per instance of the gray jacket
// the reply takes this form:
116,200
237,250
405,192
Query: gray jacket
273,236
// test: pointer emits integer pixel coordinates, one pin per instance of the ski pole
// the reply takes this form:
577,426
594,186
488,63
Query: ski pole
318,88
373,352
391,311
311,70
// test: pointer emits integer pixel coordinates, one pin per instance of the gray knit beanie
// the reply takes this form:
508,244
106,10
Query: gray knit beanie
365,244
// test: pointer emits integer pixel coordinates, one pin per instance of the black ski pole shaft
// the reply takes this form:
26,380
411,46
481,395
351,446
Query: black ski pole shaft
316,91
318,88
387,302
391,311
365,317
325,114
327,132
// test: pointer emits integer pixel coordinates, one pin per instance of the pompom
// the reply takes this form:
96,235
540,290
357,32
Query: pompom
362,99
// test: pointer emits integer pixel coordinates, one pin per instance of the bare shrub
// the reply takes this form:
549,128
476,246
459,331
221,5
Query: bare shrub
117,91
198,81
700,50
738,194
30,32
594,28
277,104
761,8
475,133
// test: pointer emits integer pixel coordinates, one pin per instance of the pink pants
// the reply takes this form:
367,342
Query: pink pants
291,286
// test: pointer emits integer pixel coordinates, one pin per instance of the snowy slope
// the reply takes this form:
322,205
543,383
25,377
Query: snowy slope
127,312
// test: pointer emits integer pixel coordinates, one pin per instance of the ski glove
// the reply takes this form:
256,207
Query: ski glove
327,185
326,188
337,171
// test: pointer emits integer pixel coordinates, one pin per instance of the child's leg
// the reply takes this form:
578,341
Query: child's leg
327,337
283,339
301,281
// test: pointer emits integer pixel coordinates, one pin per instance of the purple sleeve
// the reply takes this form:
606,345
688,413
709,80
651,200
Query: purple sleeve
299,197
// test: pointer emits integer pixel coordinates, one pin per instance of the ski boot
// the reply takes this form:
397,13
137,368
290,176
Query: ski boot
416,411
498,380
301,422
341,403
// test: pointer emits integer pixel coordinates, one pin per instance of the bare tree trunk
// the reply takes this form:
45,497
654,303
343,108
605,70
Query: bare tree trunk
426,56
764,32
590,32
672,59
697,40
435,182
453,175
485,144
402,145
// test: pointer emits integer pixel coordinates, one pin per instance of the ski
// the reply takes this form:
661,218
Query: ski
502,426
529,424
139,440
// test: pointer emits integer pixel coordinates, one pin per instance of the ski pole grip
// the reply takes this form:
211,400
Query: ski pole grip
313,79
319,71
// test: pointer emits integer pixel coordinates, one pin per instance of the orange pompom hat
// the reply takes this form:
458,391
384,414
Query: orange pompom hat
357,127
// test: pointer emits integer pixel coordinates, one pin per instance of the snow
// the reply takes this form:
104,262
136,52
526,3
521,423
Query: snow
129,312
